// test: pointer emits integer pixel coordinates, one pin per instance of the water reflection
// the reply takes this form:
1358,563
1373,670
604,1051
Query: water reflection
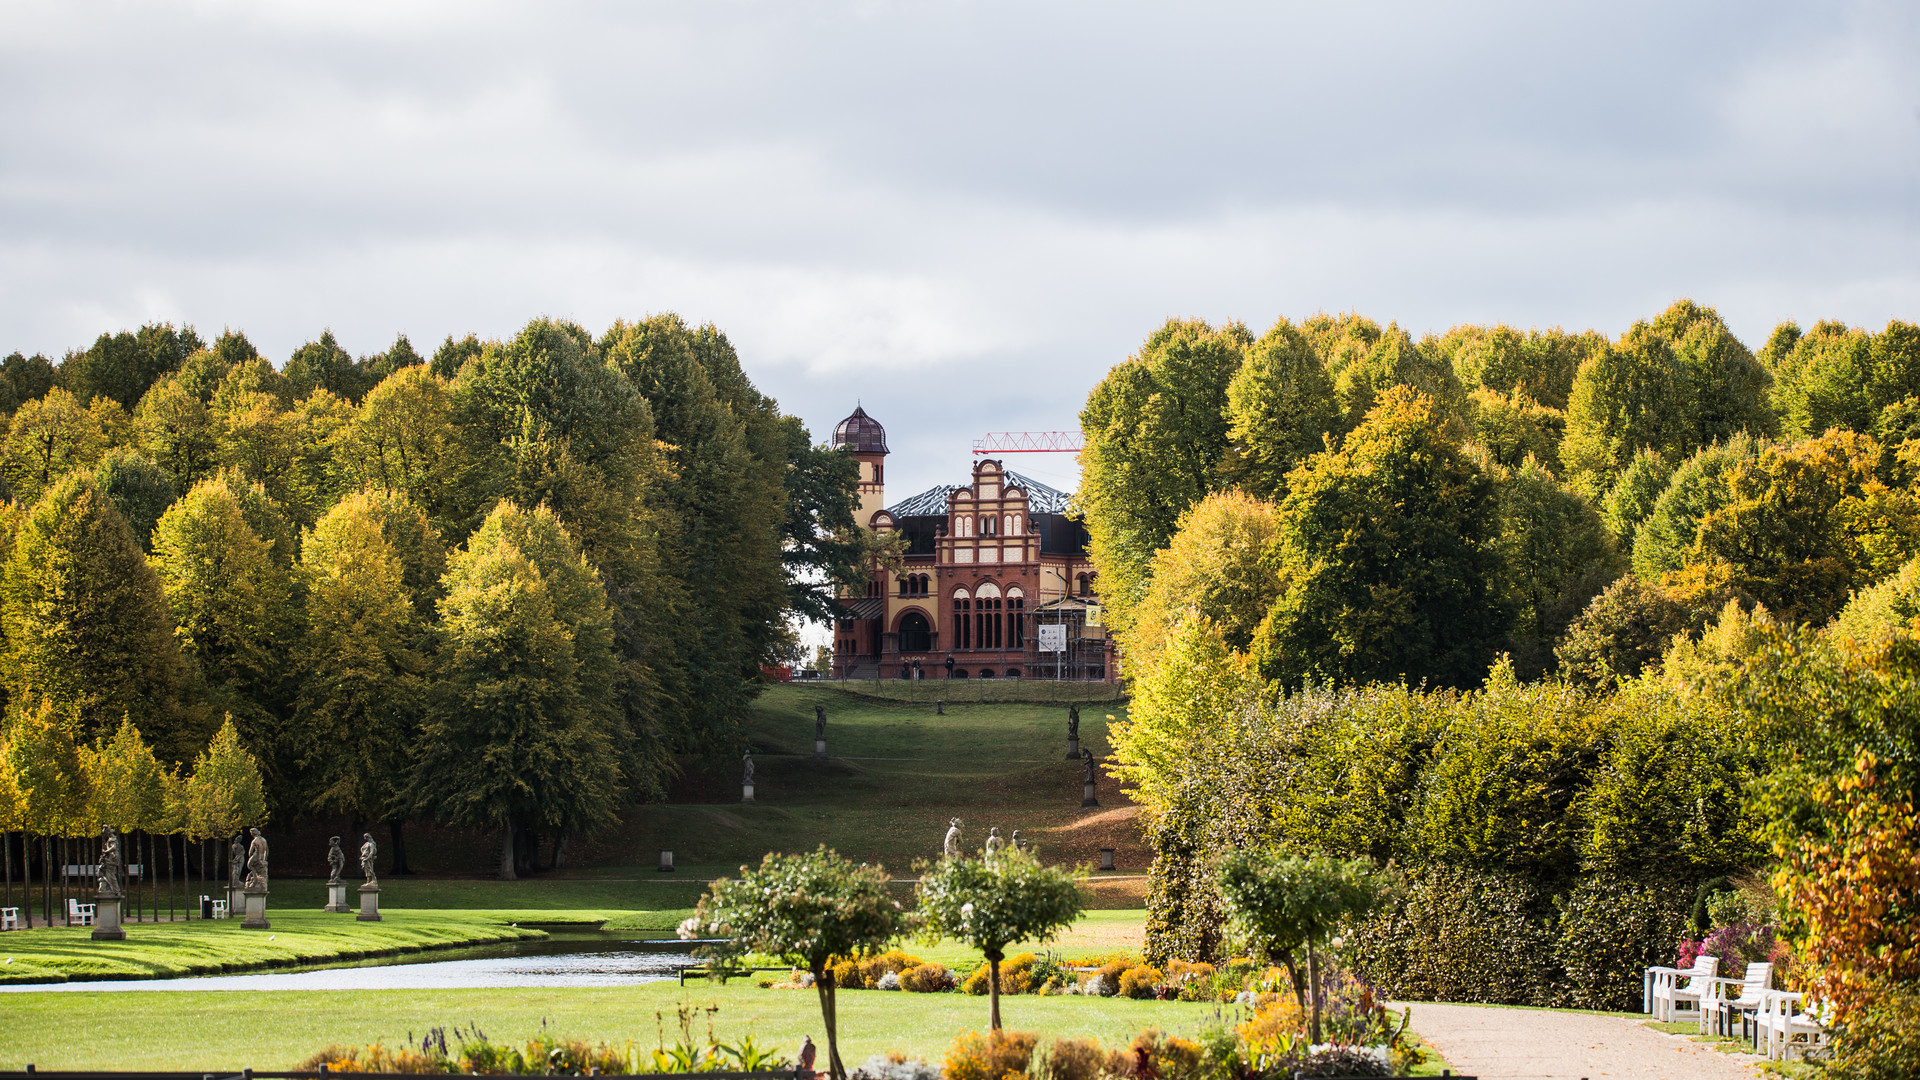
571,957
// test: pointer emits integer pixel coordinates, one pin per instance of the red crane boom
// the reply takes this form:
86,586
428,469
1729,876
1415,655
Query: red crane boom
1029,442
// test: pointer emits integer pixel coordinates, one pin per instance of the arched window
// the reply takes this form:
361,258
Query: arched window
1085,585
1013,524
920,585
962,620
989,526
906,586
986,617
1016,619
966,526
916,634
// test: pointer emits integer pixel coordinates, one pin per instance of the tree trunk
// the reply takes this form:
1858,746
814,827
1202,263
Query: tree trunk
507,853
993,991
396,832
823,985
1313,978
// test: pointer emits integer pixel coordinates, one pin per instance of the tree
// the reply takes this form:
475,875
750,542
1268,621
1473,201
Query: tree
1281,407
23,379
85,621
47,771
229,598
1626,398
122,366
515,740
1633,496
1725,387
402,439
1825,380
46,438
1388,554
1215,569
136,487
1286,904
1393,359
1538,365
1513,429
1624,631
821,546
174,428
809,910
1696,488
364,674
992,902
224,794
1156,430
127,786
1555,556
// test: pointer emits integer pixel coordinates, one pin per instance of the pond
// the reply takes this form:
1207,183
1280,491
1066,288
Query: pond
572,956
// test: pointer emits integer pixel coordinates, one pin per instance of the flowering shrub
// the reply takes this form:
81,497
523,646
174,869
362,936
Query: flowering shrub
1016,976
1737,946
894,1067
996,1055
1141,983
928,978
471,1052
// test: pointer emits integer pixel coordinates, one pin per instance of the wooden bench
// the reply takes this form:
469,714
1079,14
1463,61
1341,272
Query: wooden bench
1677,991
79,912
9,918
1716,1016
1790,1030
220,910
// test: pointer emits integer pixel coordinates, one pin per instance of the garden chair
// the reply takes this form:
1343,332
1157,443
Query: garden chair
220,909
1678,990
1789,1029
9,918
1719,1011
79,912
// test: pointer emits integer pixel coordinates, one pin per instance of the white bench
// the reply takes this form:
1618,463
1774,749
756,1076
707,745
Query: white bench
1720,1009
9,918
79,912
1672,997
220,910
1790,1031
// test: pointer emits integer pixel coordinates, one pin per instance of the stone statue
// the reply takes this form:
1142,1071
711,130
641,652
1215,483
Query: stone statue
336,860
257,862
819,723
109,868
369,851
951,849
746,767
1087,762
1073,722
994,841
1015,842
236,860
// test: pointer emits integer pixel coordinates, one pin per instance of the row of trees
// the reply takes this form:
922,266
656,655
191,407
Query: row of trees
532,569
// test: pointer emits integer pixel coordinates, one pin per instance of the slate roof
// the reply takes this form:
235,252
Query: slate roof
933,502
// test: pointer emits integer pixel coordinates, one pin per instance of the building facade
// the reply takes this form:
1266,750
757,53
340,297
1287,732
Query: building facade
994,573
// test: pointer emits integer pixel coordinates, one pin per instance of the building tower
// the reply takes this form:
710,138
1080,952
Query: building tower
867,440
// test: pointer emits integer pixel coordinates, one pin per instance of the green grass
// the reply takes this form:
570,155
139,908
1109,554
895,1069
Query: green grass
1025,691
278,1029
160,950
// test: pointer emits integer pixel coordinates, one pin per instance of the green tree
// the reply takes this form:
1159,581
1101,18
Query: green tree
364,674
121,366
173,427
992,902
402,439
324,365
1555,555
810,911
224,793
85,621
1287,904
821,546
136,487
1624,631
1513,429
229,598
45,439
1394,359
1696,489
1156,431
1633,496
451,354
1626,398
1825,380
1216,569
1281,408
47,772
1387,548
23,379
514,741
126,784
1538,365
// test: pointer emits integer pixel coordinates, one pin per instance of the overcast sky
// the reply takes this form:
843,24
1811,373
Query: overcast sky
961,213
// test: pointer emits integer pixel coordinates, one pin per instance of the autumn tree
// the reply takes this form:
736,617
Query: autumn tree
1388,553
126,786
1156,430
138,488
122,366
224,794
45,439
403,440
86,624
1555,557
173,427
993,901
1216,569
1281,407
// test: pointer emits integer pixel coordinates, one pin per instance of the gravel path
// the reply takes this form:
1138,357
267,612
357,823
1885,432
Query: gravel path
1510,1044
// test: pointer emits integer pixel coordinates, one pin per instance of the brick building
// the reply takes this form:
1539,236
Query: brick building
987,565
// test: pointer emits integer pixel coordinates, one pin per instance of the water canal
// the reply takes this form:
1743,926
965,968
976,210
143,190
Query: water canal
571,955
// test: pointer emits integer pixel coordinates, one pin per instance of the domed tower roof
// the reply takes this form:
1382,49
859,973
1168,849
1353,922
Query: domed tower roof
860,433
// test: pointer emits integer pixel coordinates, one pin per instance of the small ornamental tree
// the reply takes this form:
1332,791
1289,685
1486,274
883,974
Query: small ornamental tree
992,902
1286,904
808,910
225,794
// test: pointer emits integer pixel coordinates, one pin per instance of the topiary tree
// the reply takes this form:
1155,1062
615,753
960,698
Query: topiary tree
225,793
809,910
1286,904
991,902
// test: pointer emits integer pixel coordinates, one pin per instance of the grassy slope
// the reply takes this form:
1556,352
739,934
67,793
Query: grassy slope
296,937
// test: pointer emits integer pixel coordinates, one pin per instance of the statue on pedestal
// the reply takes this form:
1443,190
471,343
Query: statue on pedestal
994,841
369,851
336,860
257,863
746,768
1087,761
819,723
1073,722
109,868
1015,842
236,860
951,849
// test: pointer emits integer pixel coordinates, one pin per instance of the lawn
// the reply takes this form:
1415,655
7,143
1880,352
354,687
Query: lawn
275,1030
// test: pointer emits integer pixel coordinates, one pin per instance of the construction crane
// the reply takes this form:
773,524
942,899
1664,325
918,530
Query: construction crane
1029,442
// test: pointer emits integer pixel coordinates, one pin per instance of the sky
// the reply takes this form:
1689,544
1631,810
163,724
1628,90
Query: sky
958,214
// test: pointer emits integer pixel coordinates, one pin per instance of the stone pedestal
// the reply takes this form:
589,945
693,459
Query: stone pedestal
1073,748
1106,858
666,862
256,910
106,920
337,898
369,904
1087,798
819,748
746,792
